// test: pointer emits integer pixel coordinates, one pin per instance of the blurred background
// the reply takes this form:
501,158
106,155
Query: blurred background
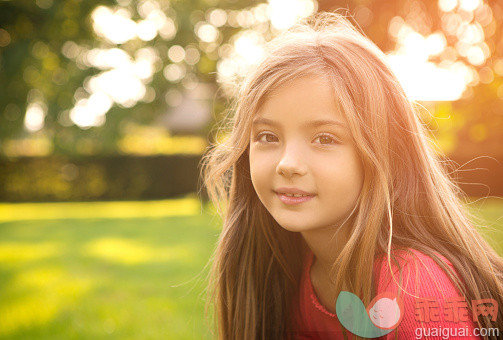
107,106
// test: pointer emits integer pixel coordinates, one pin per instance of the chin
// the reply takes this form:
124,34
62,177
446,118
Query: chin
295,226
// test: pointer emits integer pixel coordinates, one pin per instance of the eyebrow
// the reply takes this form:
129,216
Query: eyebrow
312,123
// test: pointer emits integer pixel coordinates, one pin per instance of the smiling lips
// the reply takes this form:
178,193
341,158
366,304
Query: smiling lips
293,196
293,191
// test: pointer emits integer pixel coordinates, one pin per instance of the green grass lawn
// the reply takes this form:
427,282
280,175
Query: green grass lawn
93,275
125,270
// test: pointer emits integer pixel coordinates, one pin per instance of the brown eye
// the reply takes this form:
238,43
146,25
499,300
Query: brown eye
326,139
269,138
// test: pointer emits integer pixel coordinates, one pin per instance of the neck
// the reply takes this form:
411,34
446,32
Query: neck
326,245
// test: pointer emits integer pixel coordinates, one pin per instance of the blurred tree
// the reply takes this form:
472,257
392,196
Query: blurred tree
33,68
85,73
69,66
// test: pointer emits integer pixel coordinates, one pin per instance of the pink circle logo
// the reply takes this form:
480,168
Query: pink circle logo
385,311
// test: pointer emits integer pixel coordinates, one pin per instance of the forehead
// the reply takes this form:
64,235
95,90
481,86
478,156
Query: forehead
309,99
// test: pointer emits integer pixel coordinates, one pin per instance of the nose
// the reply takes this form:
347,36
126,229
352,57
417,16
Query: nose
291,162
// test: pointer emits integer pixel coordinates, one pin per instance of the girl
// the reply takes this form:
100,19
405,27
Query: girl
331,188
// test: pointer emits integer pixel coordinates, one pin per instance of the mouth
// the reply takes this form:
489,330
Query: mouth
293,192
294,199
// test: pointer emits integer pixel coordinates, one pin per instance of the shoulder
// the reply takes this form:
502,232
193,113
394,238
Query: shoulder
417,271
425,291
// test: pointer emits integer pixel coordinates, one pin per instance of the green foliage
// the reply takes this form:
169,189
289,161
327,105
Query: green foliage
34,66
44,45
33,59
93,178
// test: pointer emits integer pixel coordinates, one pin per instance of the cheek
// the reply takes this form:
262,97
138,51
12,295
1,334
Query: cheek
261,161
261,168
341,177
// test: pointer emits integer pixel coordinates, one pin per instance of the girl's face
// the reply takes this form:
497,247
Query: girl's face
300,142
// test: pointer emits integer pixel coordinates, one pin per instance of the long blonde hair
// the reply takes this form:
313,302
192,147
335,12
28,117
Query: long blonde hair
407,199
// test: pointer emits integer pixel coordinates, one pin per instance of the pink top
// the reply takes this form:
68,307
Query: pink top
424,278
